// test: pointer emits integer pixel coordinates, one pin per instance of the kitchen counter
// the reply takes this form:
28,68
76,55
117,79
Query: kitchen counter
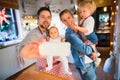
9,43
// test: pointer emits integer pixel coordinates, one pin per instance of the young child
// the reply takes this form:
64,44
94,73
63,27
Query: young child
55,38
86,27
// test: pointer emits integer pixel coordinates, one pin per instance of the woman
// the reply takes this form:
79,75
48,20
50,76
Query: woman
87,71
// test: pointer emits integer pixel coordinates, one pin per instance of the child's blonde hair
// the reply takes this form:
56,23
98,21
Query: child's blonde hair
90,4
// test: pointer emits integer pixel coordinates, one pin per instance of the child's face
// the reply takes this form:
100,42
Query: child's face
67,19
53,33
84,12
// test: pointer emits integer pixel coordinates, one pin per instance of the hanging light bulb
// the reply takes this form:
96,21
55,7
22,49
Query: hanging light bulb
117,7
76,6
105,9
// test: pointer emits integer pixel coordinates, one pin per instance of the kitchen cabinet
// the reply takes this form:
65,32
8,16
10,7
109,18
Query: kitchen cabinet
9,62
103,35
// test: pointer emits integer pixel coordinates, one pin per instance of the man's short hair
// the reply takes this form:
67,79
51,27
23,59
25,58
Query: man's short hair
42,9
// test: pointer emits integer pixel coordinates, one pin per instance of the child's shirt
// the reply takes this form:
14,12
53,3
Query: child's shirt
88,23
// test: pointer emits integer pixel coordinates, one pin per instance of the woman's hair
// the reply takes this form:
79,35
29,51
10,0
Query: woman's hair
65,11
42,9
90,4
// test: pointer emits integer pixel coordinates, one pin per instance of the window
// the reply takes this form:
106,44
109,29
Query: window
8,27
104,19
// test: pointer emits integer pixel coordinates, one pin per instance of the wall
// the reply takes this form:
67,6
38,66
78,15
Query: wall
30,9
27,7
116,45
54,4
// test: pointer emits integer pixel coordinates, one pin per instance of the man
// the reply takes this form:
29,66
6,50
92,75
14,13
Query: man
44,20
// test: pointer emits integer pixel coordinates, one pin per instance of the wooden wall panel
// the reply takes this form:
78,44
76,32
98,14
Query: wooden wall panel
102,3
9,4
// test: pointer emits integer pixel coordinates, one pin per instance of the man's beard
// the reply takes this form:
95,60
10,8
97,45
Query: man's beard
44,25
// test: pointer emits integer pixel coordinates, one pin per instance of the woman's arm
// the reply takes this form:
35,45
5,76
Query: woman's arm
78,44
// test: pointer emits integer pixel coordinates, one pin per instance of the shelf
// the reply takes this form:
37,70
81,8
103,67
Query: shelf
104,39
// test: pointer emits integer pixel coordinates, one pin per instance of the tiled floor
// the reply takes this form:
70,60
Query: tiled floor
100,74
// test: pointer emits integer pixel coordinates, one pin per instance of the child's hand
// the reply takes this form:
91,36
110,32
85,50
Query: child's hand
88,42
63,39
76,28
93,55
